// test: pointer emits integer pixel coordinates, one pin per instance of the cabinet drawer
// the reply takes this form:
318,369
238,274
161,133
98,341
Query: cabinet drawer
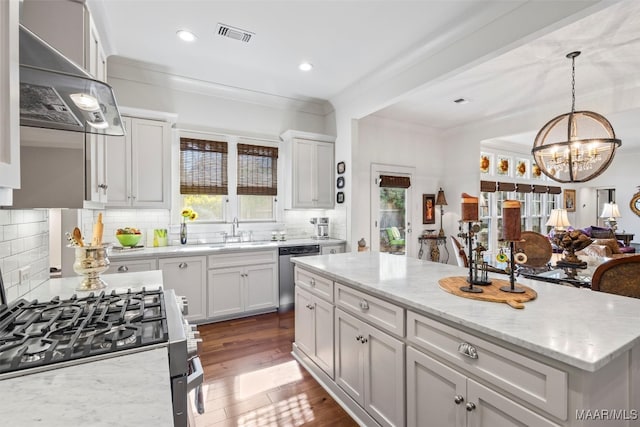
314,283
234,259
536,383
130,266
380,313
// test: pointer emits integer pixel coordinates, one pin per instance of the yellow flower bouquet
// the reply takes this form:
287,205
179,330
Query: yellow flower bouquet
190,214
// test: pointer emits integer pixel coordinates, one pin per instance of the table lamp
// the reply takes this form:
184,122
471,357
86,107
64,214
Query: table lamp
611,212
441,201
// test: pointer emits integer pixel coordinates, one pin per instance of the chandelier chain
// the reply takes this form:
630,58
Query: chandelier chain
573,84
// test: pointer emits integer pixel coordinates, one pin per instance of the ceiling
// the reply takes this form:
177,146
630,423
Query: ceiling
348,42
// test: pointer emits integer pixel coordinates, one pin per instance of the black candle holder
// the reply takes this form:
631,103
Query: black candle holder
512,288
472,282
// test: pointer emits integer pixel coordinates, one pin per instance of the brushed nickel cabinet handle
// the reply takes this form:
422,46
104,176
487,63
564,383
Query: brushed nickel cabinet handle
468,350
364,305
123,269
312,281
183,265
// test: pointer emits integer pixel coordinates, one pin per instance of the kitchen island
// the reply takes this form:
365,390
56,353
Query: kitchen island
396,335
129,390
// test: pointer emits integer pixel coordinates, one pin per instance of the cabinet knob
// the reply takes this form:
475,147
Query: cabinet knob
359,338
458,399
103,186
364,305
470,406
312,281
332,251
183,265
364,340
123,269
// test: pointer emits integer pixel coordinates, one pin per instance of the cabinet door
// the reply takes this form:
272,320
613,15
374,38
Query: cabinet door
304,171
349,352
225,292
322,334
260,287
187,275
324,175
9,101
131,266
435,393
119,167
96,169
150,172
383,377
494,410
304,321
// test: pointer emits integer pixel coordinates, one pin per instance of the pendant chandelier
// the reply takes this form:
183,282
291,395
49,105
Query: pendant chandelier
577,146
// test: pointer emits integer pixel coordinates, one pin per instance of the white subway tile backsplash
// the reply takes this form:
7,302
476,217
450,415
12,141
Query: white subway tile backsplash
24,241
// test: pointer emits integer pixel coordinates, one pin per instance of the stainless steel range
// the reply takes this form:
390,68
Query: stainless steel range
37,336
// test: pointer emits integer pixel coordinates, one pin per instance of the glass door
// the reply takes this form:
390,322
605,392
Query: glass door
391,215
392,220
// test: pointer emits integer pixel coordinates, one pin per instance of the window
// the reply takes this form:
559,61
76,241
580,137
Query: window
257,182
537,201
203,177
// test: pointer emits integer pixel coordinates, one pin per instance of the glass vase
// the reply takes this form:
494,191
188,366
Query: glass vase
183,233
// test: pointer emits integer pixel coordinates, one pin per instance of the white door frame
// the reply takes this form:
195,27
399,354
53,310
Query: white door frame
378,169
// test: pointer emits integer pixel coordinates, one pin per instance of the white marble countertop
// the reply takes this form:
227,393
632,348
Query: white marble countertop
579,327
131,390
212,248
128,390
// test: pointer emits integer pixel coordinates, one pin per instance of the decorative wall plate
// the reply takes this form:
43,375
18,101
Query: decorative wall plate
635,203
486,160
503,165
522,168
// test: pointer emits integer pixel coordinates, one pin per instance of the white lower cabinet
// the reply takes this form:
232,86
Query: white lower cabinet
314,329
437,395
187,276
369,367
240,283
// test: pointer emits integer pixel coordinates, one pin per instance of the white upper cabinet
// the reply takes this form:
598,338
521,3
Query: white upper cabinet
139,166
308,170
9,101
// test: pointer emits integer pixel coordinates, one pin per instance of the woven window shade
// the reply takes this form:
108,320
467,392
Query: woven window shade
390,181
554,190
488,186
257,170
506,186
203,167
524,188
539,188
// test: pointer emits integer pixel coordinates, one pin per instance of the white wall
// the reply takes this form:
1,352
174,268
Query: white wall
389,142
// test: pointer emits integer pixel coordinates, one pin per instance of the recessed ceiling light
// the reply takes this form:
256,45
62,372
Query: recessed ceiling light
461,101
305,66
186,35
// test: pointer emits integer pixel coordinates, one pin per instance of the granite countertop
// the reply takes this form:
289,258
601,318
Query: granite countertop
132,389
212,248
579,327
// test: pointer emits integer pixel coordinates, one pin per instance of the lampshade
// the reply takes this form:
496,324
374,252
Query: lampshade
558,219
577,146
440,199
610,210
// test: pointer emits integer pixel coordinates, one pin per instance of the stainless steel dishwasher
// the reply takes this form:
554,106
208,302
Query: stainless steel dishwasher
285,266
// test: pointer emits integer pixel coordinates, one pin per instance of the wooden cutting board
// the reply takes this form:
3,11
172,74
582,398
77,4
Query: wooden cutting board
490,292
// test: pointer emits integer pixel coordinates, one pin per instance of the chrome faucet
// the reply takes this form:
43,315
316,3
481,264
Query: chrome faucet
234,225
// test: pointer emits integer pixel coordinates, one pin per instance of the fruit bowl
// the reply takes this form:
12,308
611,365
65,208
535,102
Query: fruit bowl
127,238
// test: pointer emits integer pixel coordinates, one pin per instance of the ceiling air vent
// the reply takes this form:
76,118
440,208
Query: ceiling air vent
234,33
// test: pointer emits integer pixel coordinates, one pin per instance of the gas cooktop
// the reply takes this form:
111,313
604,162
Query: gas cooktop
36,335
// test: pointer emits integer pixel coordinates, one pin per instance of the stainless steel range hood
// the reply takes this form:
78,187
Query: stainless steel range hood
55,93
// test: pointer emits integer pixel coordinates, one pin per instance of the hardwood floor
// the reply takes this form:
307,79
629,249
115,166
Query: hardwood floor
251,379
